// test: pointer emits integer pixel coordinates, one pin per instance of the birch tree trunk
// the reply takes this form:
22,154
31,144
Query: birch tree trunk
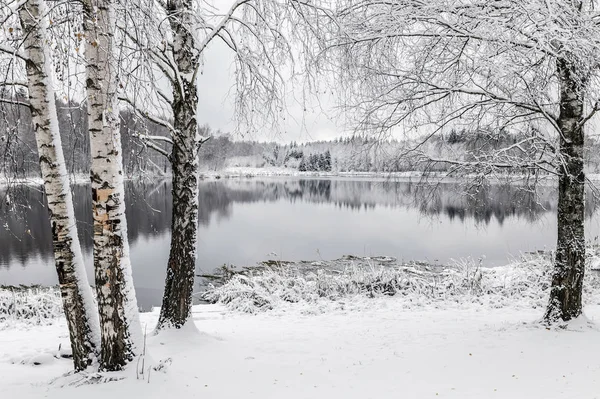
179,284
569,262
78,301
117,305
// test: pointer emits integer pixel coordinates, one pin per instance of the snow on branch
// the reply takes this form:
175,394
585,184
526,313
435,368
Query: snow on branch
155,147
146,115
14,83
14,101
158,138
409,65
13,52
221,25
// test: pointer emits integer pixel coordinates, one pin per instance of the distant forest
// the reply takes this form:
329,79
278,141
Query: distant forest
349,154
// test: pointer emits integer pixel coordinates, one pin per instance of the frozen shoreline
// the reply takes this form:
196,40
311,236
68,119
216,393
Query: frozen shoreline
321,286
275,284
242,172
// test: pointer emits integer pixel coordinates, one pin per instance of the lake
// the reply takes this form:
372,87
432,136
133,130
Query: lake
243,221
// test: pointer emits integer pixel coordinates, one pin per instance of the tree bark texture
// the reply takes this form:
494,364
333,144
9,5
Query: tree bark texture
179,283
569,262
117,305
77,298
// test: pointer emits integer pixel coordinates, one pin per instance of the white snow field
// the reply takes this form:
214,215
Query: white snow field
462,333
376,349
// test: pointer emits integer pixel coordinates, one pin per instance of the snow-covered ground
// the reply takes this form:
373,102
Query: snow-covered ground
314,332
461,332
379,349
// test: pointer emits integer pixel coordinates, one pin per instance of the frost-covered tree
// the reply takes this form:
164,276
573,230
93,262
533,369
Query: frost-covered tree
425,67
117,305
302,167
327,164
31,47
170,43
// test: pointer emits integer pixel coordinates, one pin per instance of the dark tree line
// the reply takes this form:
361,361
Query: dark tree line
316,163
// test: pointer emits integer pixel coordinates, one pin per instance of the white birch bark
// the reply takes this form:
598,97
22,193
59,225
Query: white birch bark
179,283
78,301
176,53
117,305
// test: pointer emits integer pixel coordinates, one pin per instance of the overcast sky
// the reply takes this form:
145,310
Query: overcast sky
216,102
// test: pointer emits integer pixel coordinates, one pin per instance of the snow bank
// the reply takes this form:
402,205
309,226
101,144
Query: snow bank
327,284
349,282
38,181
272,171
235,171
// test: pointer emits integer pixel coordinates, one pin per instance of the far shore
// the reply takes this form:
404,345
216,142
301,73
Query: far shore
250,172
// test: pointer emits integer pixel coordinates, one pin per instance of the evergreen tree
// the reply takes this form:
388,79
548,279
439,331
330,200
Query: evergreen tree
313,163
321,162
327,166
302,166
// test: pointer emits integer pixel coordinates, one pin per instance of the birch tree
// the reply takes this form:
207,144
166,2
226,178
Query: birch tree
181,266
78,301
420,68
117,305
253,31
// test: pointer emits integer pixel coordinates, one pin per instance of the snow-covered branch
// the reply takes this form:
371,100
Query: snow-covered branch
146,115
14,102
22,84
221,25
12,51
148,143
158,138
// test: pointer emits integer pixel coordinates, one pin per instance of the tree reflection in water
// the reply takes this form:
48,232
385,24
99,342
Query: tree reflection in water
25,232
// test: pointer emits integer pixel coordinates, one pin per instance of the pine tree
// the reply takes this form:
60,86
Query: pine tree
321,162
327,161
314,163
302,166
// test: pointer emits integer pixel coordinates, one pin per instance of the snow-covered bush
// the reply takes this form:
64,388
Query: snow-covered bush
524,282
30,305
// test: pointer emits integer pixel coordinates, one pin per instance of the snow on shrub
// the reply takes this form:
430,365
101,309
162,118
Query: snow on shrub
29,305
524,282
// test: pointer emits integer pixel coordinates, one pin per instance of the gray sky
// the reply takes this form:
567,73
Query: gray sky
216,102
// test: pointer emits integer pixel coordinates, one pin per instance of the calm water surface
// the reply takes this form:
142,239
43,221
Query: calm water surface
243,221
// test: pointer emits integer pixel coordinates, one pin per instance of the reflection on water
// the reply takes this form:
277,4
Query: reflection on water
243,221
